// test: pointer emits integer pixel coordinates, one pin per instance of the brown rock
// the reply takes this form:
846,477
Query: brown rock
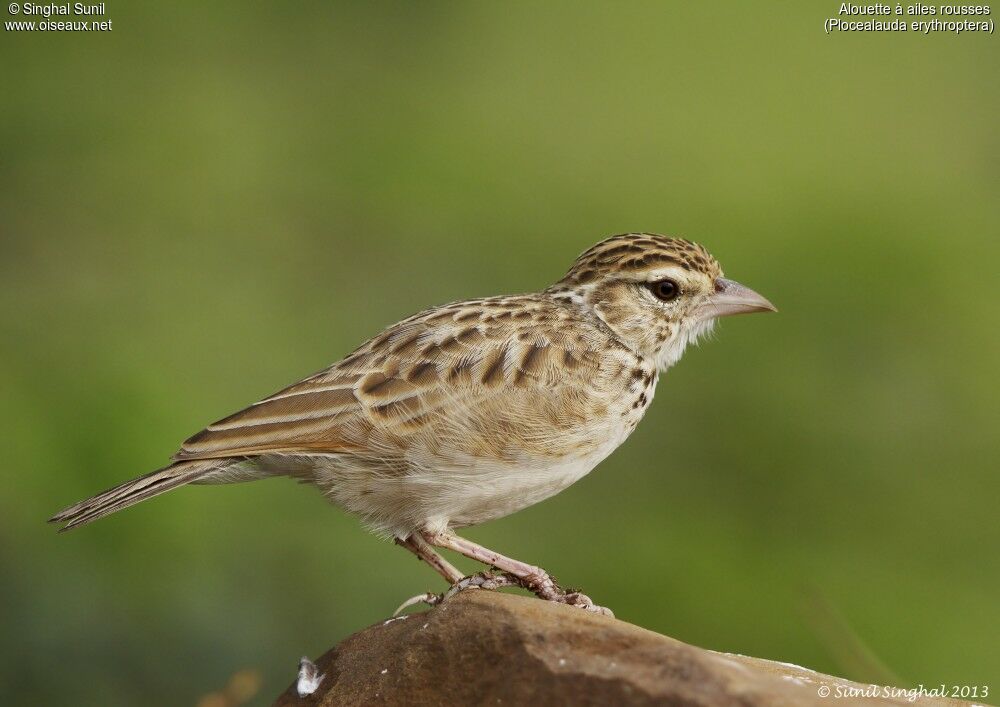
483,647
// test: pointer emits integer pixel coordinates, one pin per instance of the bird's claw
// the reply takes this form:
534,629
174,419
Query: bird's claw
480,580
582,601
425,598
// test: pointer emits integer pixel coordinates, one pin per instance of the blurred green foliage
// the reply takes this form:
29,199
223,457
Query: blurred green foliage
213,200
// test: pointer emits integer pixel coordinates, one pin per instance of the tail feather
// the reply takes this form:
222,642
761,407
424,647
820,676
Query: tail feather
134,491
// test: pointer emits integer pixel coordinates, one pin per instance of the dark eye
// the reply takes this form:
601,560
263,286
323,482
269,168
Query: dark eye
665,290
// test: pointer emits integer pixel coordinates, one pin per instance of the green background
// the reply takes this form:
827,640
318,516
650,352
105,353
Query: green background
213,200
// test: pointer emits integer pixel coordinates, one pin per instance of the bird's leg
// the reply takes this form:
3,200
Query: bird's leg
514,572
534,579
416,544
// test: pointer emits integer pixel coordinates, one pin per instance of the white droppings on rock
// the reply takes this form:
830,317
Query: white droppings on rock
309,678
395,618
384,671
562,662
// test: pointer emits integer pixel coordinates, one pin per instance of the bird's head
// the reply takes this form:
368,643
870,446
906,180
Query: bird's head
657,294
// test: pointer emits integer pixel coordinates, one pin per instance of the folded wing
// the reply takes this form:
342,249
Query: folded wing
451,370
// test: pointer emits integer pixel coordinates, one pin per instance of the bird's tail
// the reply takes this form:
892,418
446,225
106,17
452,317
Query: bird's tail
134,491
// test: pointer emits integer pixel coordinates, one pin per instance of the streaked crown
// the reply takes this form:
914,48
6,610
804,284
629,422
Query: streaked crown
640,252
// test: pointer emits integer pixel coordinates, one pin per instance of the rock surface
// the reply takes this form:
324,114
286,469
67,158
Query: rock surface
483,647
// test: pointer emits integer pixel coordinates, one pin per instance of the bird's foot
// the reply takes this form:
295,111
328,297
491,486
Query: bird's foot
544,588
582,601
482,580
487,579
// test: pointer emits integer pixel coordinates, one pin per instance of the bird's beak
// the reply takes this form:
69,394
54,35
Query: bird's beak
733,298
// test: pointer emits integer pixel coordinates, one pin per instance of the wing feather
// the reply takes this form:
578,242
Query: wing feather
450,367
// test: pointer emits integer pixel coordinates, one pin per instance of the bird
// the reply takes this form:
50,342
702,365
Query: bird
470,411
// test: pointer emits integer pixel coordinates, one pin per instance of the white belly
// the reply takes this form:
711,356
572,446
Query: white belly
492,493
455,494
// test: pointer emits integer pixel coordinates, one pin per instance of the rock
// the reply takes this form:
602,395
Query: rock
483,647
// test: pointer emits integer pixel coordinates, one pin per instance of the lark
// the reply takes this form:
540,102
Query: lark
470,411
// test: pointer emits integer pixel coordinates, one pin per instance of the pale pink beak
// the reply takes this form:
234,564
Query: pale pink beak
733,298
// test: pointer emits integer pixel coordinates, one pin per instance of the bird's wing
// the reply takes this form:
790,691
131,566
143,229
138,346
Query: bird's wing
452,370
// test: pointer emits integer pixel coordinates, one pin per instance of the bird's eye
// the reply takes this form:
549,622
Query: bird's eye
665,290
